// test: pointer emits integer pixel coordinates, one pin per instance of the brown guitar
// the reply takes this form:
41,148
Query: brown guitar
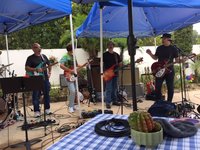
159,69
110,72
72,77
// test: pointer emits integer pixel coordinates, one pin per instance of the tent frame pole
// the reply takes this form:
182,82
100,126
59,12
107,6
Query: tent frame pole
131,40
101,60
75,67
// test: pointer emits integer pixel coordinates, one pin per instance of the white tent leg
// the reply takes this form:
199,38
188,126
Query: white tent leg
7,52
101,60
74,57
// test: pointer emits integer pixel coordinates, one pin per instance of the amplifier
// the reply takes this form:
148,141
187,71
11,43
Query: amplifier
139,90
127,76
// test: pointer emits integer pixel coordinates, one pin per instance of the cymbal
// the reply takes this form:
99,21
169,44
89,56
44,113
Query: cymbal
4,66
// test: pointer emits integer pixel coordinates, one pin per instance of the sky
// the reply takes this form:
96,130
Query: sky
197,27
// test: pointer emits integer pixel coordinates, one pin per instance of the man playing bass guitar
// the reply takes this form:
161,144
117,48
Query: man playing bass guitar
166,52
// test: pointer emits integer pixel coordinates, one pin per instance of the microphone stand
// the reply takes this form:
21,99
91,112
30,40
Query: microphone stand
182,77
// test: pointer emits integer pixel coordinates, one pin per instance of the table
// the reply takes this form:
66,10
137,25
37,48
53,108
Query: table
85,138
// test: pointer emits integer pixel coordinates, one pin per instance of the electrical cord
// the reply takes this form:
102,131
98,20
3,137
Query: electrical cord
113,128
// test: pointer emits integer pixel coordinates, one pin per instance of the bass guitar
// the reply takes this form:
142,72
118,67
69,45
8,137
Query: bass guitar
159,69
35,73
72,76
111,72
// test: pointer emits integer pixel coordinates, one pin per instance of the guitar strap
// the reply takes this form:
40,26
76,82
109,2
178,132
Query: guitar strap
116,59
116,63
45,62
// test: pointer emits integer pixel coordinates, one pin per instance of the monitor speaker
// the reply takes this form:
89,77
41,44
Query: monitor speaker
127,76
139,90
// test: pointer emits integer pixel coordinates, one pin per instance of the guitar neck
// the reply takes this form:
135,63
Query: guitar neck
44,68
170,64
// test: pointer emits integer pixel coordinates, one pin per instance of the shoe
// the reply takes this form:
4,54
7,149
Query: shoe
48,112
71,109
37,114
108,106
116,103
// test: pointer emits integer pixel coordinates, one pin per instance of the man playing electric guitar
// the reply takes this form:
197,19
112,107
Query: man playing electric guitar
110,72
67,65
165,52
111,58
36,63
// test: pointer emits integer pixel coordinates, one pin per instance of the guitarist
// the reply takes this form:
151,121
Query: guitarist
67,64
111,58
35,63
165,52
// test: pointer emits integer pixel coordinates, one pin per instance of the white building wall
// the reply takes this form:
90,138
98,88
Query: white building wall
18,58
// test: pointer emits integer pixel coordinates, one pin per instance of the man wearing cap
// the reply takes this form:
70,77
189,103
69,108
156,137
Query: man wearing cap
165,52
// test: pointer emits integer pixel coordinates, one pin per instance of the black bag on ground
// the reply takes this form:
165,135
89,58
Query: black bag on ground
163,109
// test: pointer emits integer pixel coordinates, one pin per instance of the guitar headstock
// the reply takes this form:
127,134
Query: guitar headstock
139,60
90,60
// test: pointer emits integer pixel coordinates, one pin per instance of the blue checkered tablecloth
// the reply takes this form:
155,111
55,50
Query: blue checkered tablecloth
85,138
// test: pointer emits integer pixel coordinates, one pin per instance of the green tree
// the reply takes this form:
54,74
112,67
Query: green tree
47,34
184,39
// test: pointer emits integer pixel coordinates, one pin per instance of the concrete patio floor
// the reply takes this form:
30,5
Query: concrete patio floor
14,134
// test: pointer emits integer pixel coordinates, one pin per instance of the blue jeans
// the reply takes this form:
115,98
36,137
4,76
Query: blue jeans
72,92
169,78
36,97
111,90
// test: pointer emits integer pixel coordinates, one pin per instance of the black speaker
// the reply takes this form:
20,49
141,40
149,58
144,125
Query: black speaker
127,76
93,75
139,90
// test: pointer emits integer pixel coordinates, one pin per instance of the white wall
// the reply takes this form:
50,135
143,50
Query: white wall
18,58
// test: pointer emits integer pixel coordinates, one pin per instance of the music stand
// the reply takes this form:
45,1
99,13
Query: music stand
23,84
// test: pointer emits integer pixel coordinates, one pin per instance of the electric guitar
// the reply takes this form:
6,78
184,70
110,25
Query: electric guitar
149,84
110,72
35,73
72,76
159,69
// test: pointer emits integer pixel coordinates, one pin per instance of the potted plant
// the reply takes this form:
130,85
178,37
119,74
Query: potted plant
145,131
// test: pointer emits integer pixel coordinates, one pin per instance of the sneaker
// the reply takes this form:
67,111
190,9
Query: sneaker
108,106
71,109
48,112
37,114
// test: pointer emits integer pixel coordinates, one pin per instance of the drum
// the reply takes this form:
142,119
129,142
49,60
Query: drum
4,111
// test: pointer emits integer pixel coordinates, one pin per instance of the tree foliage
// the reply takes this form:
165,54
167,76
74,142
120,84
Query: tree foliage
184,39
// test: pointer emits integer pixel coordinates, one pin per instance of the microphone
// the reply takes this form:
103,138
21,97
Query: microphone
177,48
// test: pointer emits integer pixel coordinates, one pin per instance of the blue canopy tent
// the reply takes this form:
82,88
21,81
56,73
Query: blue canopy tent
148,21
164,4
19,14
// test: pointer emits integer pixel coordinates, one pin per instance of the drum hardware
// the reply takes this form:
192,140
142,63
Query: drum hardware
23,84
9,109
3,68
